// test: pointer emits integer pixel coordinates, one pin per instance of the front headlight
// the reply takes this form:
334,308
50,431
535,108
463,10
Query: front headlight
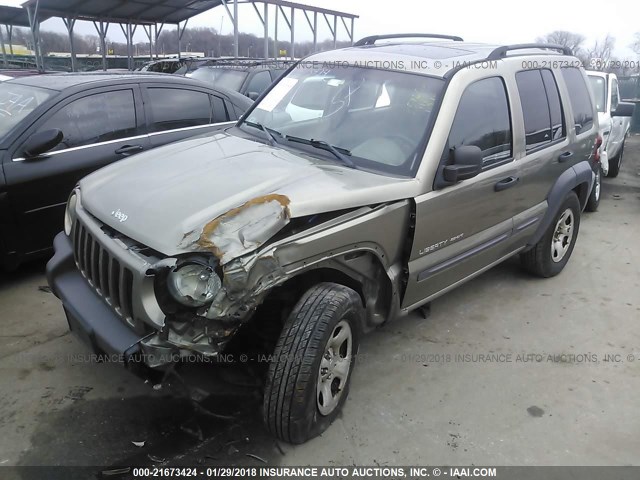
70,213
193,283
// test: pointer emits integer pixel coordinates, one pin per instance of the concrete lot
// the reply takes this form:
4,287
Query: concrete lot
415,397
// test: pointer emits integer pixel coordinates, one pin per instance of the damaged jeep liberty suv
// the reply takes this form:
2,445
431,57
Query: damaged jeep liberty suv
363,184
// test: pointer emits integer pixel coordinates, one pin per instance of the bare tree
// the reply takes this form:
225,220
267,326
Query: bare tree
600,55
635,46
566,39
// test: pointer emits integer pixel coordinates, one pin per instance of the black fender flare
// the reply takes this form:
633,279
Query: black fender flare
578,174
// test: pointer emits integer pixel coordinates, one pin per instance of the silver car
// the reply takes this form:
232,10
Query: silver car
363,184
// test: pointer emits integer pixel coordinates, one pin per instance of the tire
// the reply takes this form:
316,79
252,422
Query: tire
596,193
327,317
616,163
541,260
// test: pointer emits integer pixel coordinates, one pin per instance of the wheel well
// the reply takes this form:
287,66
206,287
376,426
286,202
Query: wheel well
582,191
366,277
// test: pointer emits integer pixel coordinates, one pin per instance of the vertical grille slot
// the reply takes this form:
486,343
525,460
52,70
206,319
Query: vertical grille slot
111,279
114,279
86,248
80,247
104,272
76,242
95,265
126,300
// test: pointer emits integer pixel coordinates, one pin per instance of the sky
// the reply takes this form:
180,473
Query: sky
490,21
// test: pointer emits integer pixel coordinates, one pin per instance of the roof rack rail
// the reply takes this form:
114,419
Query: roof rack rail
374,38
501,52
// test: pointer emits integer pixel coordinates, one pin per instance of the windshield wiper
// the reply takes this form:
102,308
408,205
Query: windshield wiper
268,131
340,153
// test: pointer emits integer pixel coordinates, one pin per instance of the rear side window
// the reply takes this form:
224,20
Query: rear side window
172,108
541,110
558,129
599,89
580,99
95,118
219,110
483,120
259,82
615,98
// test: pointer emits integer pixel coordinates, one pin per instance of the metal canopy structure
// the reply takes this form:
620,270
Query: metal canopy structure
12,17
15,16
133,11
291,7
154,14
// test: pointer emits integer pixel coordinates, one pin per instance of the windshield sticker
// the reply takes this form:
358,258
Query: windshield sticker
274,97
14,103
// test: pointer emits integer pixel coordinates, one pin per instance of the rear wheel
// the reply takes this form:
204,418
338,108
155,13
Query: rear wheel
308,379
615,163
549,256
596,191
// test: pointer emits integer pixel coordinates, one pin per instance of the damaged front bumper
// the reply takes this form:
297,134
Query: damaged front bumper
88,315
93,318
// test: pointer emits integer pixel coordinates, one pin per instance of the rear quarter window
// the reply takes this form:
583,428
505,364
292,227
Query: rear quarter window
580,99
172,108
541,109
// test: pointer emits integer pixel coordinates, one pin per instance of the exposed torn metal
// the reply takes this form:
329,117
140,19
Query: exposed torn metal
243,229
248,277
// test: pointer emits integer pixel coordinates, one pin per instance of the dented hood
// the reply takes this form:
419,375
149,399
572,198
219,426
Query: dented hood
225,194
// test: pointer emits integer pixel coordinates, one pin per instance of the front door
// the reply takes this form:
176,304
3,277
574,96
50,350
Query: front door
99,127
461,229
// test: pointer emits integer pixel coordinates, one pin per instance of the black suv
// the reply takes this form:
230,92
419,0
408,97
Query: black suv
246,76
55,129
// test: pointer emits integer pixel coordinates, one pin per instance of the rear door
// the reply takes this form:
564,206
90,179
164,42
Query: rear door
618,124
100,126
175,113
462,229
546,152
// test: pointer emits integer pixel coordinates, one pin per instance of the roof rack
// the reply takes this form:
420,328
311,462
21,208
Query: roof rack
501,52
374,38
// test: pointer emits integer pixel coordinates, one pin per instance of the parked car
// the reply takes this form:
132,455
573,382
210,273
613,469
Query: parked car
9,73
293,237
246,76
55,129
177,66
614,118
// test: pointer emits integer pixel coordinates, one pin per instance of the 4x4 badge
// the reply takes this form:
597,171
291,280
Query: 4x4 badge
120,215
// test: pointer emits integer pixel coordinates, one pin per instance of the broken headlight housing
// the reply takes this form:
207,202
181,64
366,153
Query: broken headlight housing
70,213
193,282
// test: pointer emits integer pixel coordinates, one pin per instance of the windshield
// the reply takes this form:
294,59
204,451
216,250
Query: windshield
598,87
221,77
17,101
378,118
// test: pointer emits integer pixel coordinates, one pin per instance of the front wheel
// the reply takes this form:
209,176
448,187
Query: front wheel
310,371
594,198
548,257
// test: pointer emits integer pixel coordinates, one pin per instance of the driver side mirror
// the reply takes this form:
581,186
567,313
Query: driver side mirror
624,109
42,142
467,163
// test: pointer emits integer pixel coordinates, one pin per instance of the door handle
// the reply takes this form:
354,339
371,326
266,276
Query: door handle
129,149
563,157
506,183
